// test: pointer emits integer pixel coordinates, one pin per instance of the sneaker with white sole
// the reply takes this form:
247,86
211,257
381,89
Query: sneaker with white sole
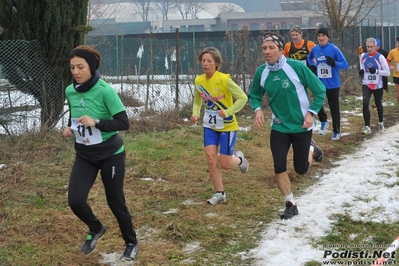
323,128
336,136
244,166
217,198
90,244
317,152
366,130
130,252
381,127
290,211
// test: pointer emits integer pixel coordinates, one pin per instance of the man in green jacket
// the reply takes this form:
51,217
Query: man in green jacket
285,82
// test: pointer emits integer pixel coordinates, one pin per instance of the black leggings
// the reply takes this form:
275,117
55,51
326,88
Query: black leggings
280,144
82,179
378,102
333,102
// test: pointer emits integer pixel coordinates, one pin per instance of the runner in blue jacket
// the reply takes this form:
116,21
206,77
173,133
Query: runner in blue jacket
327,60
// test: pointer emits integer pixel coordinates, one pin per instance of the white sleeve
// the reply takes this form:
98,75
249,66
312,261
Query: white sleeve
385,70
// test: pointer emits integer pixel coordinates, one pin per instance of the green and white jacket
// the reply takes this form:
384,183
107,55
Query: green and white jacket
287,93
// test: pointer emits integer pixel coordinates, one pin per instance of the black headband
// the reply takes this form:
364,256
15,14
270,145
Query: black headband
90,58
274,38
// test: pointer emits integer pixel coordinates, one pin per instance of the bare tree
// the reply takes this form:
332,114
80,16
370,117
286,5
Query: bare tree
165,7
196,7
99,10
189,8
142,8
341,14
227,8
183,8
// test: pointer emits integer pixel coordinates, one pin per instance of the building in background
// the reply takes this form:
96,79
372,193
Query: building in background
119,17
127,18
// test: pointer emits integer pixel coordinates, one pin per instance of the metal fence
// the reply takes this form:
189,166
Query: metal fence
153,73
167,55
28,87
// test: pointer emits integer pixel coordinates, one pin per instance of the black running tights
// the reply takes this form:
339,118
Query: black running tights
82,179
378,102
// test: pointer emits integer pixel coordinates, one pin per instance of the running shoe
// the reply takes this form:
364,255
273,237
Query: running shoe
244,166
217,198
130,252
336,136
317,152
290,211
366,130
90,244
381,127
323,128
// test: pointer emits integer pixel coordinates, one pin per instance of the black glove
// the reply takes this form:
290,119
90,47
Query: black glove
330,61
312,68
361,72
372,70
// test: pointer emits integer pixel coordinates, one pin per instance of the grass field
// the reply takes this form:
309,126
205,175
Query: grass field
166,186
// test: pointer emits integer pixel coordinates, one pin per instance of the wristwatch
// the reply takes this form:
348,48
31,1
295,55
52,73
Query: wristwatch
96,122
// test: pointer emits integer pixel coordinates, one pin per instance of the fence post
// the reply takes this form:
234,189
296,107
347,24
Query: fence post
122,68
177,69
